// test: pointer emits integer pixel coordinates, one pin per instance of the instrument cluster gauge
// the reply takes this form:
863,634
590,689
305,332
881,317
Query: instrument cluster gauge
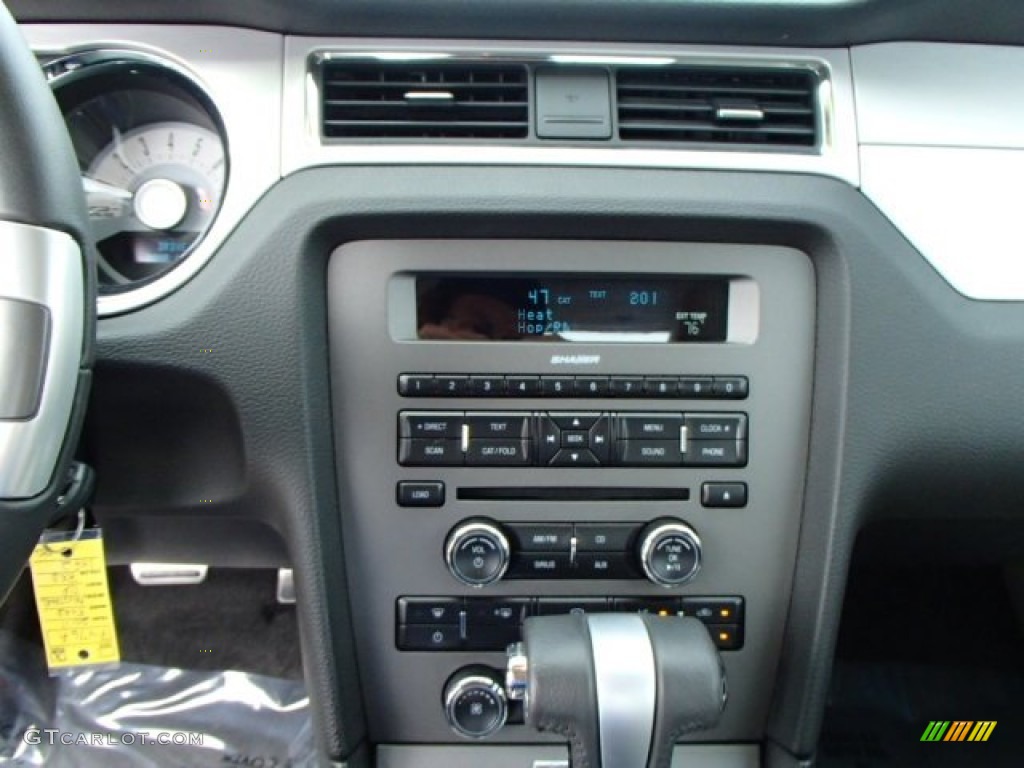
153,156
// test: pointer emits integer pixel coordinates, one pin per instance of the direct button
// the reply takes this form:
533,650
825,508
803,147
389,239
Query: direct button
420,494
498,425
429,424
650,426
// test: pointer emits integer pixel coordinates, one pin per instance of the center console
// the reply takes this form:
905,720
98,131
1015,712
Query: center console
530,428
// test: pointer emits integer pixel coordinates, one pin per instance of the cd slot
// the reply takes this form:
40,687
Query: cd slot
575,493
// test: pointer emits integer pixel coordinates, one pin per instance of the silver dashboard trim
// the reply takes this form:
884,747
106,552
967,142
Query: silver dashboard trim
302,146
43,267
624,675
240,70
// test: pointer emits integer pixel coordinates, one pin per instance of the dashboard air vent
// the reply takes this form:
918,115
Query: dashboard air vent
424,100
703,105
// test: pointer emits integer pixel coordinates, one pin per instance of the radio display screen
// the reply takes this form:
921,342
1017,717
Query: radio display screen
656,309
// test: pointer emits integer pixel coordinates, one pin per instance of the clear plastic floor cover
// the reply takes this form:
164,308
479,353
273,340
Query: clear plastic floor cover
141,716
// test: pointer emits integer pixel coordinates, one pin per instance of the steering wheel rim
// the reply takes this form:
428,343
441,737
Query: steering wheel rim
47,302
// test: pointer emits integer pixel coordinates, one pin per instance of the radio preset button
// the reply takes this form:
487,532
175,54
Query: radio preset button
416,385
557,386
696,386
452,386
523,386
660,386
626,386
425,453
429,424
591,386
731,387
487,386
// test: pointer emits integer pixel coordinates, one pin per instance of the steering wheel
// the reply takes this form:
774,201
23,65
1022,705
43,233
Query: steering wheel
47,303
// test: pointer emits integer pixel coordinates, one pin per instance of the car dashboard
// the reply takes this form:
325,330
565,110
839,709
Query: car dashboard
466,319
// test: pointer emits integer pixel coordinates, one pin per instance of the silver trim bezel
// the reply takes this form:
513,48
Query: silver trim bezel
44,267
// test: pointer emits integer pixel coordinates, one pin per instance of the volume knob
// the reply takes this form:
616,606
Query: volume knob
477,552
670,552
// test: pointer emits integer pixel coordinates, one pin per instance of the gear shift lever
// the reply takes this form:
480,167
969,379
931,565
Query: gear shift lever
621,688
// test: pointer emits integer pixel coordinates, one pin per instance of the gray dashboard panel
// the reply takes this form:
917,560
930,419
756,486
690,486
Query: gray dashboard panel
395,551
899,397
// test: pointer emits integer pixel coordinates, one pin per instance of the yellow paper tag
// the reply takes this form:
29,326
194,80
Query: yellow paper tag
73,599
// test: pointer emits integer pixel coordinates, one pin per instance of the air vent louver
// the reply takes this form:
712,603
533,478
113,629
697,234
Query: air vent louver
717,106
424,100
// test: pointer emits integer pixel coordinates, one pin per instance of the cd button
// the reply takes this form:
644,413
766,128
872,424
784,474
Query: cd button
604,537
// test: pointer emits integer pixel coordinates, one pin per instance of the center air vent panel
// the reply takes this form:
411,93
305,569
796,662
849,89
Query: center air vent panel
705,105
424,100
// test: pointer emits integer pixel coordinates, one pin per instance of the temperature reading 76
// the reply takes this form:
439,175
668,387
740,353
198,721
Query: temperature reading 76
693,322
643,298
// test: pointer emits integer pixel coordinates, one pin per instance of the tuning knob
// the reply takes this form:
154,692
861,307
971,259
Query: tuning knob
477,552
670,552
475,703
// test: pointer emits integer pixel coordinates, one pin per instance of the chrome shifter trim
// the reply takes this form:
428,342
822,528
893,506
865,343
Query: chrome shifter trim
626,688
